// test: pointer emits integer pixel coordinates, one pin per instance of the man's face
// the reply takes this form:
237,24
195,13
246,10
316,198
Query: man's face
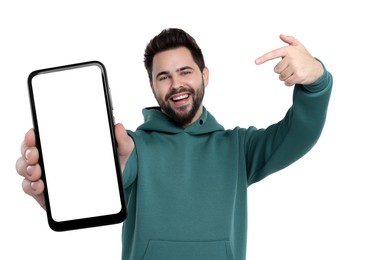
178,85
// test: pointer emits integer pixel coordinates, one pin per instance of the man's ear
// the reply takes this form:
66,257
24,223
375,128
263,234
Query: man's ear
205,75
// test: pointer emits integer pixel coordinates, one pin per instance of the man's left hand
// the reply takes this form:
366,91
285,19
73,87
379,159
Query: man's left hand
297,66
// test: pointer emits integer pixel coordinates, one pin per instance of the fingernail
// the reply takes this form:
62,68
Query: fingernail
27,153
33,186
29,170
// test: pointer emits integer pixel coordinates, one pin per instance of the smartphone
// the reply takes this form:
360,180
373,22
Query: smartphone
73,120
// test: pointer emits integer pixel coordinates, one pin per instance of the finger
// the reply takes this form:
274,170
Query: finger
35,190
29,141
290,40
286,73
278,53
291,81
31,172
281,66
21,166
34,172
29,138
31,155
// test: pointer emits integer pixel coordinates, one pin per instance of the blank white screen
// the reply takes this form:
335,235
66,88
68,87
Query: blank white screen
76,144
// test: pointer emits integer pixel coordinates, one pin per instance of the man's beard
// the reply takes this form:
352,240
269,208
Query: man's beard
180,117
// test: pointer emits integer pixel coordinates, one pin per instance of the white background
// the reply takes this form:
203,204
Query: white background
331,204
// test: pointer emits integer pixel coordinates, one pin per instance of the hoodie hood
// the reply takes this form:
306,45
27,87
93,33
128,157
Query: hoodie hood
156,121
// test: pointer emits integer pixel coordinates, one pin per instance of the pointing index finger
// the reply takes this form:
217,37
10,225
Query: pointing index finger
278,53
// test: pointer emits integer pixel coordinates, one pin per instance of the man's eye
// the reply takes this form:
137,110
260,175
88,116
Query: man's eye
162,78
185,72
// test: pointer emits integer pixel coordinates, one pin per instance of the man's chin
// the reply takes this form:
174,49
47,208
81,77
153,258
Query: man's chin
181,117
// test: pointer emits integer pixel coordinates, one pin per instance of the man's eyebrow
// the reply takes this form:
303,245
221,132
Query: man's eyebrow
184,68
178,70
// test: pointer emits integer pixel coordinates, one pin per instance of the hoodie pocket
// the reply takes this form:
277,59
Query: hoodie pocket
177,250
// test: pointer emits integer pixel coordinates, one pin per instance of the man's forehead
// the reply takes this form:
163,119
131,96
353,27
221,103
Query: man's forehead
178,57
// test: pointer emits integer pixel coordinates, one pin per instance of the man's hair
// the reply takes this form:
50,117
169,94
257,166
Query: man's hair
169,39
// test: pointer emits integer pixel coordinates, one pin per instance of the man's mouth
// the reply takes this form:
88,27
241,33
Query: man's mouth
180,99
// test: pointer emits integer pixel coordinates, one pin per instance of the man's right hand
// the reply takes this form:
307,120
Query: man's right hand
27,165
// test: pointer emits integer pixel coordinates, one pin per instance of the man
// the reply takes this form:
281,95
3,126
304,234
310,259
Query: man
185,176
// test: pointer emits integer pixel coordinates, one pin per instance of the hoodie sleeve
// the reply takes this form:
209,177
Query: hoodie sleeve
274,148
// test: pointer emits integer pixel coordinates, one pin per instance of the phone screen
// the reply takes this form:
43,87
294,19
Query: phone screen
73,122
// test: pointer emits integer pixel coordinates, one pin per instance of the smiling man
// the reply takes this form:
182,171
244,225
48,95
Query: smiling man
178,85
185,176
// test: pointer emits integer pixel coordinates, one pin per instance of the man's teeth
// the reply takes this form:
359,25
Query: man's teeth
184,96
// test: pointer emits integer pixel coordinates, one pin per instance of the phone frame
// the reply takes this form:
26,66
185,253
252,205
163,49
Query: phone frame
88,222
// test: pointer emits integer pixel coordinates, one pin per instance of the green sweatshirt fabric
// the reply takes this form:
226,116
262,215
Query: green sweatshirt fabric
186,189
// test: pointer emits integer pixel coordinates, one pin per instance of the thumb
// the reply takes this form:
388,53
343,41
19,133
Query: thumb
125,144
290,40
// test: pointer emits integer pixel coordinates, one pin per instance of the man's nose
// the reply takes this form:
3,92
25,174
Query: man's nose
176,82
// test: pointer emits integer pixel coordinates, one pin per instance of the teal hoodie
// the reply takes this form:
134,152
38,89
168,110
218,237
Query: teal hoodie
186,189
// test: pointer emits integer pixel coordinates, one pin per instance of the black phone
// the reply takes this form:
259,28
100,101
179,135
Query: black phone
73,120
